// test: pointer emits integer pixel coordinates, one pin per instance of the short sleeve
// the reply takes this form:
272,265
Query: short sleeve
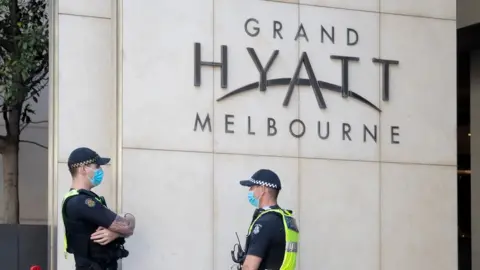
262,235
86,208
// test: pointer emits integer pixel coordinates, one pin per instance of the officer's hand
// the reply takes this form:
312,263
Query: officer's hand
104,236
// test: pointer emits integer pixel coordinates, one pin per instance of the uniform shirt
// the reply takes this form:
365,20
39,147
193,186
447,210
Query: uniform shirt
84,208
267,239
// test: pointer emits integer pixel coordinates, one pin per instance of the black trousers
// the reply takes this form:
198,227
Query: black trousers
95,266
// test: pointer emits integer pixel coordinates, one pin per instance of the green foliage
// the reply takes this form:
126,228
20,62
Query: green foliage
23,57
23,74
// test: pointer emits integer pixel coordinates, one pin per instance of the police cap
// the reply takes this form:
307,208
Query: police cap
263,177
84,156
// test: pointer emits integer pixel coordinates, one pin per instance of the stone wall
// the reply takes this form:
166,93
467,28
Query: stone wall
379,192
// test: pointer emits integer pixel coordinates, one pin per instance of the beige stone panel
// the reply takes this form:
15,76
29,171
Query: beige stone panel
171,195
444,9
366,5
95,8
339,215
284,1
422,90
418,217
86,94
160,100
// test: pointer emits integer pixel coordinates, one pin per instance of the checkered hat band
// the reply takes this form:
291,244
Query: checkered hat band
83,163
263,183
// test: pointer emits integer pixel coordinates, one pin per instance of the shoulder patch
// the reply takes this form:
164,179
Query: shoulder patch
89,202
256,228
291,224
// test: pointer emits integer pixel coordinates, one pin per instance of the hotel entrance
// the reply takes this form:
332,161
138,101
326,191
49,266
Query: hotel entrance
468,133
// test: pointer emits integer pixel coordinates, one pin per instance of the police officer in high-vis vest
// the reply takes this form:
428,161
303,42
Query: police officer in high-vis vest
94,234
272,237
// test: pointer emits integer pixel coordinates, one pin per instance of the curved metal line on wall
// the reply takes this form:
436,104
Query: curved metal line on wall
302,82
53,136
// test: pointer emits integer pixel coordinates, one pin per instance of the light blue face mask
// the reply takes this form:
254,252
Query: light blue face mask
97,177
251,198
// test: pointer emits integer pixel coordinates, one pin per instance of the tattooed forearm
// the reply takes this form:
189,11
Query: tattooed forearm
123,225
131,219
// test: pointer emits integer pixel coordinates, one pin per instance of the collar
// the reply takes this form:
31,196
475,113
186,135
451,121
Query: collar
270,207
260,210
91,193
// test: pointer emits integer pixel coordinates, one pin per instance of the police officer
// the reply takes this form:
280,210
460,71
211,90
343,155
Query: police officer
273,234
93,233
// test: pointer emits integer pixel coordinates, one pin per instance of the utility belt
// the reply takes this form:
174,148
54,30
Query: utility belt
105,256
102,255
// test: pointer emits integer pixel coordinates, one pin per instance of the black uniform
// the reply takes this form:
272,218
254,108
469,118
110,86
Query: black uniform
83,214
267,239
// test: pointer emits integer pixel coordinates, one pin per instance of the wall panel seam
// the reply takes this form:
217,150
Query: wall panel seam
84,15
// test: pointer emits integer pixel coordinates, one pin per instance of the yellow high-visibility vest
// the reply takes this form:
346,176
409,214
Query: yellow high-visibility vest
291,237
71,193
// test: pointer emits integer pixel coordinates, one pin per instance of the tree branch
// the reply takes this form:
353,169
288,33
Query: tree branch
31,81
35,92
35,143
39,122
32,122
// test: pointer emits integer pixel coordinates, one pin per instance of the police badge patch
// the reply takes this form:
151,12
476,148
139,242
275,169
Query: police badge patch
89,202
256,228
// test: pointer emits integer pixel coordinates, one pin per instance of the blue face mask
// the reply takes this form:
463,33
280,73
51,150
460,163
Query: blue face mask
97,177
251,198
